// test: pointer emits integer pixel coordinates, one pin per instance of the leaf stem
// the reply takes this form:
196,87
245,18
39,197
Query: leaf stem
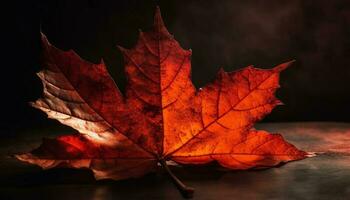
186,191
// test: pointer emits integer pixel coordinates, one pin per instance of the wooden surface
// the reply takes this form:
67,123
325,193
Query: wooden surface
325,176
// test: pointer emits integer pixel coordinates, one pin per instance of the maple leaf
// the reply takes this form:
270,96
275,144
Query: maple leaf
162,116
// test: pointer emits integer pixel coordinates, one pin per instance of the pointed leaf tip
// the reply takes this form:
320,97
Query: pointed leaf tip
157,12
43,37
221,73
42,34
102,62
44,41
279,102
122,49
221,70
283,66
310,154
158,24
158,20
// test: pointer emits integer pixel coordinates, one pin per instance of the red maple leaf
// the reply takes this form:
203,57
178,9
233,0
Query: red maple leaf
161,117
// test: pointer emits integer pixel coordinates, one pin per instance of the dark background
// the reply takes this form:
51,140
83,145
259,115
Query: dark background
229,34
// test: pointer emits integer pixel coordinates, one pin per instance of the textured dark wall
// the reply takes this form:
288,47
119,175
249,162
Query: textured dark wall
229,34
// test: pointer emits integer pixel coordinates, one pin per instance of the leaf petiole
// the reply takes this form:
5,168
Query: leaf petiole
186,191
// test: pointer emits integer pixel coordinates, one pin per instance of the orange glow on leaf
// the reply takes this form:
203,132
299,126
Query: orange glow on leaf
161,116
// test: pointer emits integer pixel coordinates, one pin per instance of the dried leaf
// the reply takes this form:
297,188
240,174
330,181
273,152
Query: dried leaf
162,116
